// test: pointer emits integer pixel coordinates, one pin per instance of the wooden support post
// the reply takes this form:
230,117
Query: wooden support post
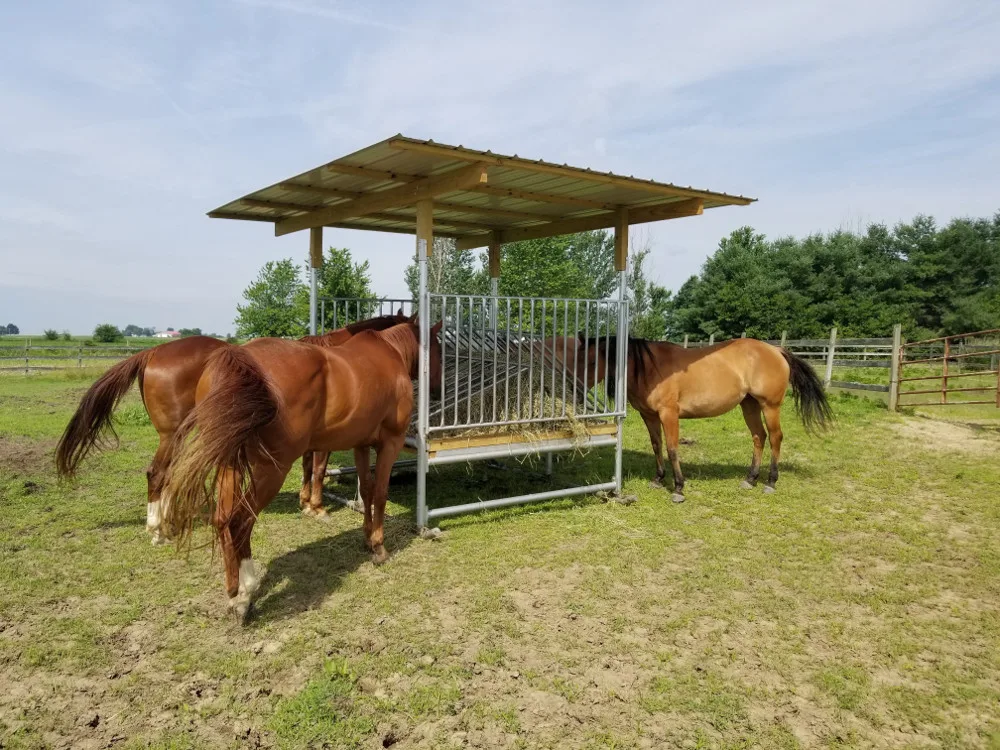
944,372
685,341
315,261
621,239
897,358
829,357
784,338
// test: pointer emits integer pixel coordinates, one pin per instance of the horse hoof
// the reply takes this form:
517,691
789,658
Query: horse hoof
379,556
768,489
654,485
158,539
745,485
678,497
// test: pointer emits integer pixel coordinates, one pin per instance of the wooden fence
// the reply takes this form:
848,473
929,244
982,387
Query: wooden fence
833,353
32,357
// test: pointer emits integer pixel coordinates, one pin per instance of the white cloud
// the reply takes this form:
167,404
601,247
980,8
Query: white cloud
122,123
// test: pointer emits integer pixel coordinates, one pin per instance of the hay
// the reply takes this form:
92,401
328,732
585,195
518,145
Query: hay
492,387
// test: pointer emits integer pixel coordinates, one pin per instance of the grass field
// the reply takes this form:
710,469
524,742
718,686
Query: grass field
857,607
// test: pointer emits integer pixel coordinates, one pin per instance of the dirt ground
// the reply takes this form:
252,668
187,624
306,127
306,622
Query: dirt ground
858,607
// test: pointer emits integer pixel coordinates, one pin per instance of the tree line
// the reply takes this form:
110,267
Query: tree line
933,280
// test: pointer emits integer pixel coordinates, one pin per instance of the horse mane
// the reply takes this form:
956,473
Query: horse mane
639,353
404,338
370,324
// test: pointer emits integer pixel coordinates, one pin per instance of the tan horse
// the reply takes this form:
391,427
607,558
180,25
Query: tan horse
168,375
261,406
667,383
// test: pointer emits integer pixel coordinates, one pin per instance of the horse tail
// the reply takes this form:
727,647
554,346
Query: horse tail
229,420
808,392
92,420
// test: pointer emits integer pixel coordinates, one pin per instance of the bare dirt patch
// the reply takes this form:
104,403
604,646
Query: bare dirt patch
953,437
24,457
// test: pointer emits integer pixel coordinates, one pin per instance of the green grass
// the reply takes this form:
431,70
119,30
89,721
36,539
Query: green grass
858,606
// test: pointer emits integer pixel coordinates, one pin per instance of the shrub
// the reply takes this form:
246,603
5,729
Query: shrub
67,336
107,333
51,334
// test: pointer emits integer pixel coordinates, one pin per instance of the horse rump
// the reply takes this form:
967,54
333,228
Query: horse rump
221,436
808,392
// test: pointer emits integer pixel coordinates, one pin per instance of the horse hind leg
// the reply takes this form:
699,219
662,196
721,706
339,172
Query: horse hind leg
751,415
656,441
155,498
772,416
235,519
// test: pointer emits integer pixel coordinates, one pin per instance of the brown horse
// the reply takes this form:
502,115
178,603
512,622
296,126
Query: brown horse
667,383
168,375
261,406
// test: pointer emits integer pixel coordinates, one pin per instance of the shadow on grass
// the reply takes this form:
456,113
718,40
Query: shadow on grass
303,578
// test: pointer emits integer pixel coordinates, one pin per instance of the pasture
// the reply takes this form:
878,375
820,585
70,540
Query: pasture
859,606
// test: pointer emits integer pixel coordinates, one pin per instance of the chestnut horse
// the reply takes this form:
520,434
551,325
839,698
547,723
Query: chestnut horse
667,383
261,406
168,375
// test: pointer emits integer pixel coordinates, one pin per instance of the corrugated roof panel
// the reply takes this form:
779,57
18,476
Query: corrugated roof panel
560,192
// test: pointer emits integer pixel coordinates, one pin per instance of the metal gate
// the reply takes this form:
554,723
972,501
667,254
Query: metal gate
965,368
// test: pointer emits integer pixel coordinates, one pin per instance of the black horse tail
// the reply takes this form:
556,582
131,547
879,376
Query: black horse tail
808,392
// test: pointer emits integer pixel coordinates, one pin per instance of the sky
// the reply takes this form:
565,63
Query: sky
122,122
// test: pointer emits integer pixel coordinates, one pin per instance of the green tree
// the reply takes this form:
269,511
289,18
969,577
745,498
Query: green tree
190,332
133,330
107,333
51,334
449,271
10,329
67,336
339,278
272,306
649,303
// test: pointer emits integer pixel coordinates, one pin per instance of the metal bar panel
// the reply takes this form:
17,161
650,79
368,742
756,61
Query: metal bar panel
455,510
950,403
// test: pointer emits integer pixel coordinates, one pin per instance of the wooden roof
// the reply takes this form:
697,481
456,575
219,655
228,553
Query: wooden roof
478,196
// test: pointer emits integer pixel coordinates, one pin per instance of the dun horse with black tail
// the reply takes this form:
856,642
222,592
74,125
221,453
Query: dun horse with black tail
667,383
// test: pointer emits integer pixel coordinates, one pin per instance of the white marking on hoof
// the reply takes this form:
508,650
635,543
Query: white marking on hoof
158,539
745,485
769,490
249,580
677,497
153,516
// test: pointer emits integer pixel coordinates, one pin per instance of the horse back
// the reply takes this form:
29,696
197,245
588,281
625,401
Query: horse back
170,379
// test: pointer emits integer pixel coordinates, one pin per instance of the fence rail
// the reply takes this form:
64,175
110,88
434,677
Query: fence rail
833,352
41,357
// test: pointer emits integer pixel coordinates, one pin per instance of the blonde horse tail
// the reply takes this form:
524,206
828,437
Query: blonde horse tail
229,420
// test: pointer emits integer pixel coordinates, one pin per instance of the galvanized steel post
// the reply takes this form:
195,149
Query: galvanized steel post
423,382
621,375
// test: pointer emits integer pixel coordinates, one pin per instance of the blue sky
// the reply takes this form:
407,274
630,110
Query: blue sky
123,121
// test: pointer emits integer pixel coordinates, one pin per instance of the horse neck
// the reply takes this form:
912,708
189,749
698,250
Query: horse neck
403,338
